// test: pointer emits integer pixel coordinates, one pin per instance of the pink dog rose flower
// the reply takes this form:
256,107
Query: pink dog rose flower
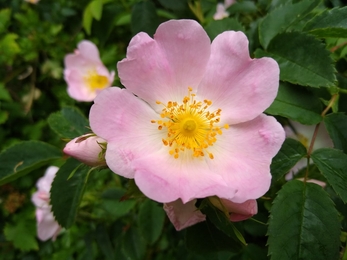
87,149
85,74
185,215
189,123
47,227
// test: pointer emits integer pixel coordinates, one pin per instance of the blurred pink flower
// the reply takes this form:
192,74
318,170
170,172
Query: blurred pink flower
185,215
87,149
47,227
189,123
303,134
85,74
221,11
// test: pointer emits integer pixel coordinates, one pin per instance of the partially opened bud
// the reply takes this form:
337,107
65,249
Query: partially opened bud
88,149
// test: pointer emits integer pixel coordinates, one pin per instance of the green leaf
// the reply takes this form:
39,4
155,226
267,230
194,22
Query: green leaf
104,242
3,117
174,4
5,16
22,234
144,18
8,48
150,221
280,19
218,26
222,222
133,245
87,19
96,9
303,224
242,7
333,165
69,123
251,252
114,202
25,157
290,153
330,23
296,103
4,94
336,125
67,192
302,59
206,238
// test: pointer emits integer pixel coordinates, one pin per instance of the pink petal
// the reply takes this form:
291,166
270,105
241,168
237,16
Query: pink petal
89,51
228,3
242,87
129,132
240,211
47,227
77,88
240,170
86,149
45,182
163,69
183,215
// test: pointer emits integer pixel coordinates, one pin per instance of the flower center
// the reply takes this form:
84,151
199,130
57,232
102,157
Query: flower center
190,126
95,81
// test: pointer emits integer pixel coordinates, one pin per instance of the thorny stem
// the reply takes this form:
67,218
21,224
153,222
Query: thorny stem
333,49
309,151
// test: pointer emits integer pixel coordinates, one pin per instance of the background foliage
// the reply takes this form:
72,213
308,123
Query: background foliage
105,216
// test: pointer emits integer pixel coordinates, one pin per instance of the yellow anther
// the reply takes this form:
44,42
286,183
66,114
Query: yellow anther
191,128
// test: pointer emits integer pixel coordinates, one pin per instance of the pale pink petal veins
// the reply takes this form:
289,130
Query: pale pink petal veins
129,132
239,171
183,215
242,87
164,67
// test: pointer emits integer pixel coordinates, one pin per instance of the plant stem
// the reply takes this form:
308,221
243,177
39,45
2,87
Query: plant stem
310,149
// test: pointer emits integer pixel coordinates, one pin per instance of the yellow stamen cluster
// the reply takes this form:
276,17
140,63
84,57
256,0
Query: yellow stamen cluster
95,81
189,126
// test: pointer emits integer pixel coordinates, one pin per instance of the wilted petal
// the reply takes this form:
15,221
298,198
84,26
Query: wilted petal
183,215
